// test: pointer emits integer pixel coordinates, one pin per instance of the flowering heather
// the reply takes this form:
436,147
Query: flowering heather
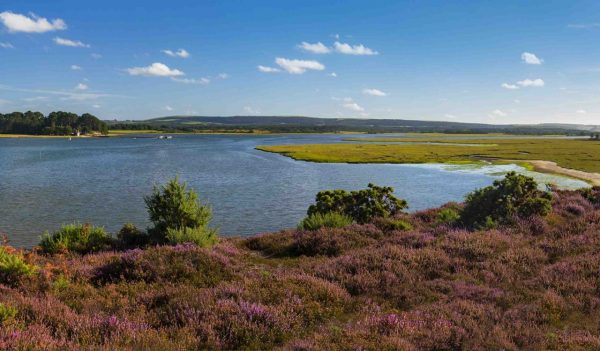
531,284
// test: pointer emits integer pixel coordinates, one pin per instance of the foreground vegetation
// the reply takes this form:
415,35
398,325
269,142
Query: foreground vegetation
580,154
56,123
430,280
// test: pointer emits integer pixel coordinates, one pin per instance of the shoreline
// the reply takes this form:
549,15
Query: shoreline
553,168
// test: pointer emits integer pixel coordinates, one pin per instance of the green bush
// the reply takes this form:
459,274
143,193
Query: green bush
360,205
80,238
447,215
131,236
327,220
514,196
13,267
177,215
7,313
392,224
201,236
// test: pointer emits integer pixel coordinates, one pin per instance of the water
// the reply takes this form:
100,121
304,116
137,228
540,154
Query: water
48,182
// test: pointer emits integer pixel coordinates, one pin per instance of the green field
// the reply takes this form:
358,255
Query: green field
579,154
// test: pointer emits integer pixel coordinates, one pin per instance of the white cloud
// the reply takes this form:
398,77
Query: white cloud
353,106
298,66
179,53
15,22
81,86
168,108
509,86
348,49
499,113
317,48
96,56
251,110
6,45
202,81
581,112
449,116
266,69
583,25
76,68
333,74
374,92
531,82
223,76
517,101
71,43
96,106
531,59
156,69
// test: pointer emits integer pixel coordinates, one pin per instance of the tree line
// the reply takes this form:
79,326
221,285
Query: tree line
56,123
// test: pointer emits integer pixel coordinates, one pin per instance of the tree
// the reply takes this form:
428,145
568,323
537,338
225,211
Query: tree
178,215
514,196
361,205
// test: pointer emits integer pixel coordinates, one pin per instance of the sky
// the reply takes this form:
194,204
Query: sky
465,61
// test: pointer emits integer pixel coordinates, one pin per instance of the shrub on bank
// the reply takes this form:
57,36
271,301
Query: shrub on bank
130,236
79,238
327,220
515,196
360,205
178,216
12,266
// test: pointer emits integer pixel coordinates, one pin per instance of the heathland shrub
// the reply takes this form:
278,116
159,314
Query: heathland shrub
12,266
360,205
447,215
131,236
514,196
7,313
327,220
177,214
80,238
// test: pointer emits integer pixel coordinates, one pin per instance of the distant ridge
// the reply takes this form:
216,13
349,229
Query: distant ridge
352,124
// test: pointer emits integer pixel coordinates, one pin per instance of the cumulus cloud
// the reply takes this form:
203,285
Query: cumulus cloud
499,113
76,68
168,108
354,107
333,74
16,22
179,53
317,48
71,43
298,66
531,59
348,49
202,81
156,69
509,86
81,86
6,45
531,83
267,69
251,110
374,92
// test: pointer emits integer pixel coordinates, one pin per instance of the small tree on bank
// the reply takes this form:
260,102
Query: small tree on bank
514,196
178,216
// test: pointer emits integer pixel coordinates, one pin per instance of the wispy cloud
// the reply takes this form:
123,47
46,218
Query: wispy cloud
267,69
179,53
81,86
156,69
168,108
498,113
374,92
531,59
6,45
64,95
71,43
509,86
202,81
583,25
76,68
16,22
299,66
348,49
223,76
316,48
532,82
581,112
251,110
96,56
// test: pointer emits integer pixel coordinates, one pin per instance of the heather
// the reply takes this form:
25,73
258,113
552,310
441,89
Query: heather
429,283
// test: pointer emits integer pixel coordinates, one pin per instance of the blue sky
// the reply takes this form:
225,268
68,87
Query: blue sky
475,61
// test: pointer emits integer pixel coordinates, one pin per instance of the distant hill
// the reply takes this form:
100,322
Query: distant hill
313,124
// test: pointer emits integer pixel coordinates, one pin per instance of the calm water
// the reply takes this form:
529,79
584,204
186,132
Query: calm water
47,182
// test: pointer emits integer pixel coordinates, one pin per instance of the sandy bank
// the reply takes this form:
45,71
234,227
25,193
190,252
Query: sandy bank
552,167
